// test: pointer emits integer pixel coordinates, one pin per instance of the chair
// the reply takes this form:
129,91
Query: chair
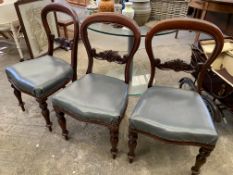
96,98
186,121
43,76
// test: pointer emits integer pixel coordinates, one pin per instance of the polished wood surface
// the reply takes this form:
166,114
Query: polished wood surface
220,1
125,61
184,24
78,2
216,6
108,17
223,6
53,7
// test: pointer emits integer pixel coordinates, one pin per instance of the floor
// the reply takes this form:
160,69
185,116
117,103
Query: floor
27,147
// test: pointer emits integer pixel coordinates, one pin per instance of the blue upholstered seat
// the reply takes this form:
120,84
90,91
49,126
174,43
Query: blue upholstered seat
175,115
94,98
41,76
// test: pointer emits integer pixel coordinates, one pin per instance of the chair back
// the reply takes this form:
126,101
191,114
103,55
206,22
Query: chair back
110,55
55,7
180,65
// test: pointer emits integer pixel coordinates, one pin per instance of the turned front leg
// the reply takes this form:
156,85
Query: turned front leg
132,143
62,122
204,152
45,112
114,132
19,97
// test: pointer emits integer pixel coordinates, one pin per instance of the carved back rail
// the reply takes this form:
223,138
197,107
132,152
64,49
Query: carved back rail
110,55
55,7
177,65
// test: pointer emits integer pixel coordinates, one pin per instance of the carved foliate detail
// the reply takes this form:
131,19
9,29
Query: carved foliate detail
201,159
110,56
176,65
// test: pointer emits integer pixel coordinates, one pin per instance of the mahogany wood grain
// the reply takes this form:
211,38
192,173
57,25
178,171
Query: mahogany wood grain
108,17
222,6
186,24
106,55
53,7
183,24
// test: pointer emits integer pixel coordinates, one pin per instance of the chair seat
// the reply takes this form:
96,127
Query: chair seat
174,115
94,98
41,76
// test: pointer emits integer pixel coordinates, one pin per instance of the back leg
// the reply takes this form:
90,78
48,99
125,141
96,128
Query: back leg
19,97
201,159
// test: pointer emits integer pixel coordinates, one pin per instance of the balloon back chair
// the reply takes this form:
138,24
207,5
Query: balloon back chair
97,98
173,115
45,75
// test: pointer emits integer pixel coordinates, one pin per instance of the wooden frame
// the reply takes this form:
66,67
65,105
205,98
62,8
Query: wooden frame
28,12
110,56
78,2
183,24
54,7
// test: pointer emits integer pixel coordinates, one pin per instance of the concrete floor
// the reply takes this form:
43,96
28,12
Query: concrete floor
28,148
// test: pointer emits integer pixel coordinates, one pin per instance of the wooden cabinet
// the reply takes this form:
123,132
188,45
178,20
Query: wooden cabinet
217,11
78,2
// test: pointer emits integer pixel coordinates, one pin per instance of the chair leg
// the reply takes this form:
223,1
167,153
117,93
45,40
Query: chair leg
132,143
201,159
177,32
62,122
114,132
45,112
19,97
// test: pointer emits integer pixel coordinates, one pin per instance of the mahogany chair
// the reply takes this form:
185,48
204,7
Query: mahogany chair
45,75
96,98
175,115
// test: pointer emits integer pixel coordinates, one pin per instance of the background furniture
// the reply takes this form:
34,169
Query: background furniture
175,115
96,98
9,23
167,9
214,11
45,75
29,14
78,2
218,82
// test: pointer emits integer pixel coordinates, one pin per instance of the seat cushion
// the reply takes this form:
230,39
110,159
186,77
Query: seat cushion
174,115
41,76
94,98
